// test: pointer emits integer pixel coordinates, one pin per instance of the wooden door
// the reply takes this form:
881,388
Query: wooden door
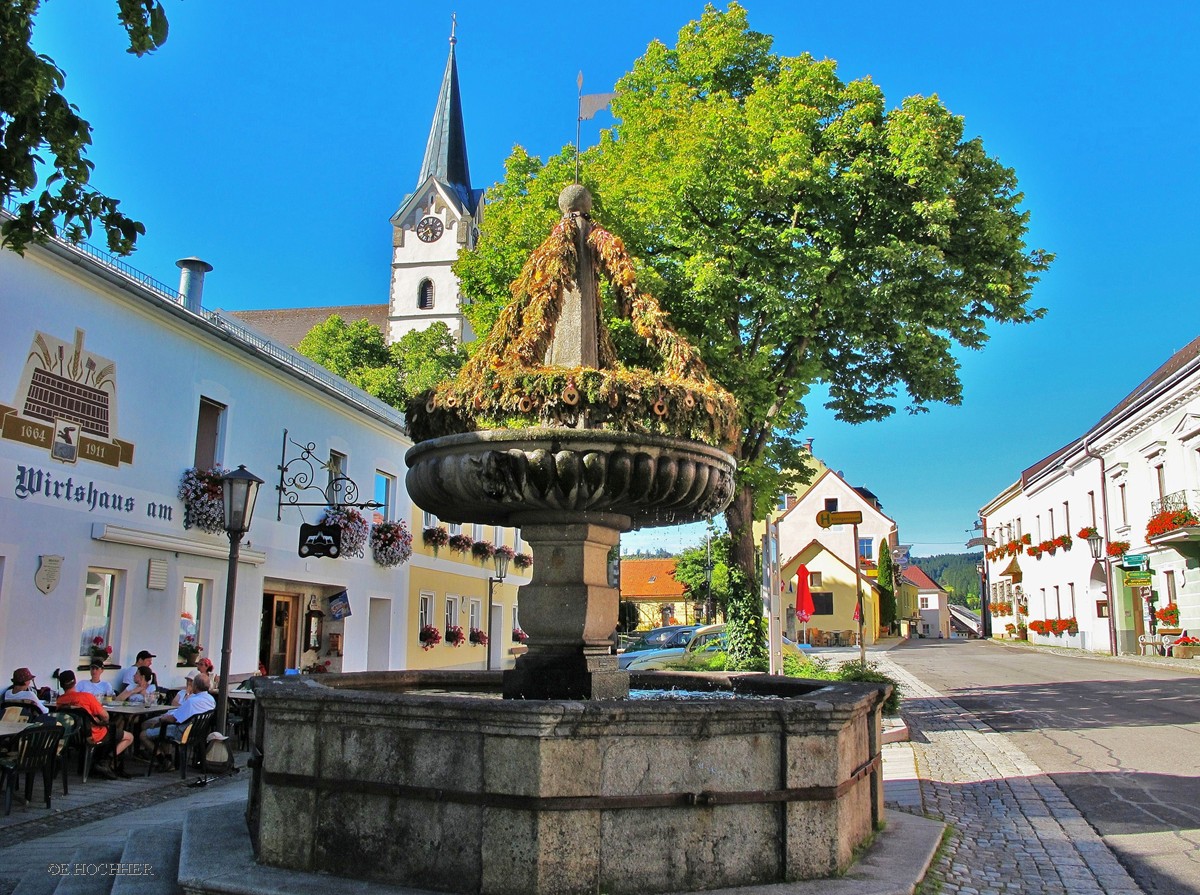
280,632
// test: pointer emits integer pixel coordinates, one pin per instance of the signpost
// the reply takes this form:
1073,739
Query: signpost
1138,579
827,519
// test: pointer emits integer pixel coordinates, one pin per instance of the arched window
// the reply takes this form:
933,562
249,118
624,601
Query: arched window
425,295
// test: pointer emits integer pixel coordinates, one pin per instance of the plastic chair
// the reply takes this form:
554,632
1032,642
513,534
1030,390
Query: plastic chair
36,750
70,725
188,749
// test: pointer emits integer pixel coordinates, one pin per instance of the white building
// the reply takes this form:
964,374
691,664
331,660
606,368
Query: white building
1135,478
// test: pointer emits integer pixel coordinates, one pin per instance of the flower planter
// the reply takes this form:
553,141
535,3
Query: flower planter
1184,651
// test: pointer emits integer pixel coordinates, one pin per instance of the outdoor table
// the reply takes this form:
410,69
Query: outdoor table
12,728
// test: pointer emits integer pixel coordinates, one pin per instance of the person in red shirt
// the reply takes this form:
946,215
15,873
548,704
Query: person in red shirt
73,698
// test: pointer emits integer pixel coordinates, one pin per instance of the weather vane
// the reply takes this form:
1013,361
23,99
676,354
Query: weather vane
588,107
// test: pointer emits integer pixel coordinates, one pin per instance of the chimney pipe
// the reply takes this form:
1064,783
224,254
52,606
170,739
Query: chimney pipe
191,282
808,444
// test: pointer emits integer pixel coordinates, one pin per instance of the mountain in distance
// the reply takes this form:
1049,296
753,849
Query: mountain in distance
956,573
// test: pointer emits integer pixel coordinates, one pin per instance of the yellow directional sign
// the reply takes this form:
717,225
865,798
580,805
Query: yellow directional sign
826,518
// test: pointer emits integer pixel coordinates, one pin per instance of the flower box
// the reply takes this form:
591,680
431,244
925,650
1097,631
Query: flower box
1184,651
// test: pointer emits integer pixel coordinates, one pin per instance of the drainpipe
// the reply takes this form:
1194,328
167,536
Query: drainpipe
985,598
1112,615
191,282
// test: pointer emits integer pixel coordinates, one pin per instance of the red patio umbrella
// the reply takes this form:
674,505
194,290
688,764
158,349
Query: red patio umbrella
804,600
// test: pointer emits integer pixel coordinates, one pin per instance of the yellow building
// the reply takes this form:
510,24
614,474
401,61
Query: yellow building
456,585
835,585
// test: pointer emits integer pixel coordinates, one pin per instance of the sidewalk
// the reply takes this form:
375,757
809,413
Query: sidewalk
1012,830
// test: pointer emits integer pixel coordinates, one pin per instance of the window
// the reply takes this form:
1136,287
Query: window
425,613
823,603
1071,595
498,535
1124,505
385,494
1160,477
428,519
866,549
831,504
1066,517
781,503
452,610
1092,505
814,579
516,617
191,614
1057,603
97,610
210,425
477,532
425,295
1170,577
475,615
1050,516
924,601
455,528
517,544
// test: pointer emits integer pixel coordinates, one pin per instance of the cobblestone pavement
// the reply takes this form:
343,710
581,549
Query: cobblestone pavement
1012,829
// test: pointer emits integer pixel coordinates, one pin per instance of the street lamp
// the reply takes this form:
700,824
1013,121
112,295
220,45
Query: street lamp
1096,545
240,490
500,559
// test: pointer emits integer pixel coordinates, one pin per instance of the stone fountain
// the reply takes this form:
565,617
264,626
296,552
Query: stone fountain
566,785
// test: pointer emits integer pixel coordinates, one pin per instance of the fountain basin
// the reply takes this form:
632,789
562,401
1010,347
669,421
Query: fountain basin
372,776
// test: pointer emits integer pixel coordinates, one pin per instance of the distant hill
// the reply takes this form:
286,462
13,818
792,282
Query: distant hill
956,572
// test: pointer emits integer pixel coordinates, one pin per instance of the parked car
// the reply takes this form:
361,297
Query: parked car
669,637
708,639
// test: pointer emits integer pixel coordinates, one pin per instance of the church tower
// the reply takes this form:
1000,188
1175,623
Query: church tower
433,223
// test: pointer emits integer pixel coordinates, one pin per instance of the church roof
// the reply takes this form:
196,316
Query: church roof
446,151
288,326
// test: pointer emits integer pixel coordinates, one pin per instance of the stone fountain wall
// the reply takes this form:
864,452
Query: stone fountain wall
469,794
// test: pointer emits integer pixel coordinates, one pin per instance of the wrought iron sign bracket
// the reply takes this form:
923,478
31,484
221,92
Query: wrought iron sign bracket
298,476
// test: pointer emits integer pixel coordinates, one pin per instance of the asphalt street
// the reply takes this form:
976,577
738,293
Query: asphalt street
1120,740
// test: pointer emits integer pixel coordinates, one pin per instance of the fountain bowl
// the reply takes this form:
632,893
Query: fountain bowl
430,780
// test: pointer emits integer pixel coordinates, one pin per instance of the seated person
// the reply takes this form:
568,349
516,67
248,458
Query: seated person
205,666
125,679
143,691
96,686
73,697
23,690
197,700
184,692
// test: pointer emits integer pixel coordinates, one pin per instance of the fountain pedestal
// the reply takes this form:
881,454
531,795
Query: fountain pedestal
570,612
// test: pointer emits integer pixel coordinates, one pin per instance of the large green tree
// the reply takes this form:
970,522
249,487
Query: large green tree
796,228
357,352
886,580
36,121
692,571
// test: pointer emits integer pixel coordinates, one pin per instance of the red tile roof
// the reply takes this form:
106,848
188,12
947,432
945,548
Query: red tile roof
647,579
917,576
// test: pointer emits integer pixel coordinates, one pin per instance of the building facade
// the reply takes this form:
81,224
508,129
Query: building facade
1133,480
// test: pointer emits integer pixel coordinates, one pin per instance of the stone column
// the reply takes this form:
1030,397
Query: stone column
576,336
570,612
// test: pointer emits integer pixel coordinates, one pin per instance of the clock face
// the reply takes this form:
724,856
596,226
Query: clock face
429,229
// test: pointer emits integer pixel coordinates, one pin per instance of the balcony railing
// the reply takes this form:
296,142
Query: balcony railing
1178,500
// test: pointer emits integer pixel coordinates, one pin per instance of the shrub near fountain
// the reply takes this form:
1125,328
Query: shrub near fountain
566,785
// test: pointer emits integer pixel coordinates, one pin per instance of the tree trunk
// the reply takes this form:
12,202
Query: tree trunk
747,644
739,520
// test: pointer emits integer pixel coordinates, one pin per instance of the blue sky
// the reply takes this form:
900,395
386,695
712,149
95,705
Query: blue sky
274,139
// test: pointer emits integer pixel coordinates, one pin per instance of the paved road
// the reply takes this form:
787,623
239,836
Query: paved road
1121,741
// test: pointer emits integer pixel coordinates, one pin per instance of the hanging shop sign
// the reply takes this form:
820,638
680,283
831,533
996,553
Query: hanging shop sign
339,606
320,540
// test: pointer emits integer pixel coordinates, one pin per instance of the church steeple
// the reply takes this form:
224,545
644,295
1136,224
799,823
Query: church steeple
446,150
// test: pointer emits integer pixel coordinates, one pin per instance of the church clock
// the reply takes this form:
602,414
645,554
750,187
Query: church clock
429,229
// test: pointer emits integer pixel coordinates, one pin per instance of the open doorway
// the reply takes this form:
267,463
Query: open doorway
279,633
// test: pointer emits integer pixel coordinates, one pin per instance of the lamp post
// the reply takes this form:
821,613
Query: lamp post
501,562
240,490
1096,545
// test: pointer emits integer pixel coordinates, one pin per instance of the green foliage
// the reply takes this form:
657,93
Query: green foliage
36,121
357,352
690,572
794,228
870,673
627,616
745,628
887,585
956,573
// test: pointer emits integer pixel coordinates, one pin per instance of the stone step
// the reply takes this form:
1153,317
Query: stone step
87,874
151,862
37,881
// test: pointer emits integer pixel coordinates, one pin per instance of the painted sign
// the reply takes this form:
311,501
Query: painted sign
339,606
1137,579
66,402
828,518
